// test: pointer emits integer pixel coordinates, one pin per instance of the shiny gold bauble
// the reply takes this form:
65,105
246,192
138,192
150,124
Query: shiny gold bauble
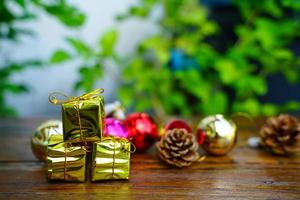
217,135
39,139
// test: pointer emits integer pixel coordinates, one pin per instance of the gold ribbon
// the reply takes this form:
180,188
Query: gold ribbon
54,97
79,120
123,142
113,165
68,145
65,163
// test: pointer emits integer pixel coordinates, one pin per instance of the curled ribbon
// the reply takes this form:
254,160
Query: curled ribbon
123,142
54,96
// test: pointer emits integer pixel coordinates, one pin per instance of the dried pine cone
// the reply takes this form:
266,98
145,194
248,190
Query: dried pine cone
178,147
281,134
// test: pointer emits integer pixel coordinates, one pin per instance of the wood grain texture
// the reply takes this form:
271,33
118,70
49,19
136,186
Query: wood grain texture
244,173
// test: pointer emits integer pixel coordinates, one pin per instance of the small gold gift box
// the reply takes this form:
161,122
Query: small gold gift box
65,161
111,159
83,117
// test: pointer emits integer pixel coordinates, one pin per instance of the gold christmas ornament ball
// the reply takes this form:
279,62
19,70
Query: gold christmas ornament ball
39,139
217,135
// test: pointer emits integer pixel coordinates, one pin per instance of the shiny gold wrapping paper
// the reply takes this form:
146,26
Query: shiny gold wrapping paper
65,161
111,159
83,119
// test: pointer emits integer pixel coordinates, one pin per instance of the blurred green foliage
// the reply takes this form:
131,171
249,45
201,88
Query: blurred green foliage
180,70
13,14
91,59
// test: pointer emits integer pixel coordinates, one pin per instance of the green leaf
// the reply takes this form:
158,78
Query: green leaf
21,3
87,78
67,14
16,88
250,85
126,95
33,63
290,106
269,109
217,103
251,106
108,41
158,46
290,75
139,11
295,4
78,85
259,85
273,8
282,54
59,56
177,99
81,48
228,71
190,13
142,104
152,42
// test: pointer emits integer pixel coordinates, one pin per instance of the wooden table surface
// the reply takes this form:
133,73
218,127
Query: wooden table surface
244,173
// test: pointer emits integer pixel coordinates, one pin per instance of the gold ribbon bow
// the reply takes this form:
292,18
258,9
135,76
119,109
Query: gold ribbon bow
53,97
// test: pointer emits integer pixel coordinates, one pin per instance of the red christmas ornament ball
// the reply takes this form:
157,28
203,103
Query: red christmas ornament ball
178,123
142,130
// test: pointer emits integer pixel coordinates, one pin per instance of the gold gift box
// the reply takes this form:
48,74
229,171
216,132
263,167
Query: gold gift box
65,161
83,119
111,159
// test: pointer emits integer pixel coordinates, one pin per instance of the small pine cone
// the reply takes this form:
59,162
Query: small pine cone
281,134
178,147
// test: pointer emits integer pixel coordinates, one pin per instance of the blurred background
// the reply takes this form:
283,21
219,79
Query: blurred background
167,57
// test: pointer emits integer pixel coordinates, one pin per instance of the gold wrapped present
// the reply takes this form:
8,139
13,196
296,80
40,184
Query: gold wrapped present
83,117
65,161
111,159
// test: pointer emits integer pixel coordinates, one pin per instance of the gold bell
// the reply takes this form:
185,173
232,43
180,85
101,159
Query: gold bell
39,139
217,135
